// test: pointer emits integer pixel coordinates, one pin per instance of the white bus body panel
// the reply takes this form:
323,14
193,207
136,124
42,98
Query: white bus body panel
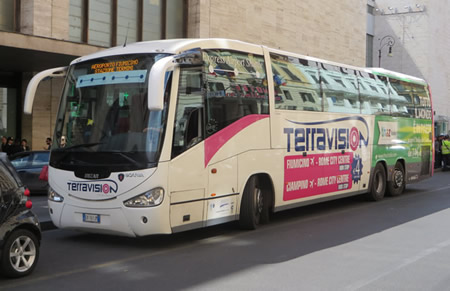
225,151
187,186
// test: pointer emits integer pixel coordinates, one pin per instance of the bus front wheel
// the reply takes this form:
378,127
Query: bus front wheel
396,185
253,205
378,186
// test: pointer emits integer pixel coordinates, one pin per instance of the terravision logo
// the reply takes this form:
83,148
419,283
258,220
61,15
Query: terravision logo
98,186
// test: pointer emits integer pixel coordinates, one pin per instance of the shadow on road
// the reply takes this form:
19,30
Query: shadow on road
198,256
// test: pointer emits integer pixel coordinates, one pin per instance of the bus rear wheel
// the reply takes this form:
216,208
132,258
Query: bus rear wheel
378,186
254,208
396,185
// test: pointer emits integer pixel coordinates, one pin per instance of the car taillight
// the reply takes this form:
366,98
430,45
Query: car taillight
29,204
26,192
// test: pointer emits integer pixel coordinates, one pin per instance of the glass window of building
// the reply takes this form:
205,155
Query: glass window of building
127,17
174,18
100,22
76,20
151,29
8,110
7,15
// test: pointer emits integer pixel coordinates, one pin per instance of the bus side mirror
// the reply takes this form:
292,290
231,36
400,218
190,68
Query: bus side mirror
157,83
34,83
157,79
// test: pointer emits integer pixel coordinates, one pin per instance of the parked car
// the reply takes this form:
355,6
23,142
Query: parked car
20,231
29,166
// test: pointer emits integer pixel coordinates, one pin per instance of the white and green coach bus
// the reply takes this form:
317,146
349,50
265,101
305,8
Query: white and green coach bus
171,135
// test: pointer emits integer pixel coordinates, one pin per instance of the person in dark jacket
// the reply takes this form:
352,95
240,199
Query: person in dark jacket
4,143
24,146
9,148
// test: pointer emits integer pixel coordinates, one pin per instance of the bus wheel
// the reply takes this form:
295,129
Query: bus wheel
396,186
378,186
252,205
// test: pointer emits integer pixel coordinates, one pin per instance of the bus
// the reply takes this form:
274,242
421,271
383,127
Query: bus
164,136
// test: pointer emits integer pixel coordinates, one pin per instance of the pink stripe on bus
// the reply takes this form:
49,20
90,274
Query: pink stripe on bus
217,140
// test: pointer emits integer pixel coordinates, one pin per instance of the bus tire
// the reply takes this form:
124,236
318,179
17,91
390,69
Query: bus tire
378,186
396,185
253,205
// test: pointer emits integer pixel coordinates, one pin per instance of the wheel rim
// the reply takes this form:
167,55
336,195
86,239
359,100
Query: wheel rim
378,183
258,201
22,254
398,178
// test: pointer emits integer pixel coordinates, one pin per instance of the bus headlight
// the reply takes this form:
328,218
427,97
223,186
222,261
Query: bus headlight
151,198
53,196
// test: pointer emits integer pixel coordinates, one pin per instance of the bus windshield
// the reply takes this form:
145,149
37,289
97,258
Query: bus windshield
103,118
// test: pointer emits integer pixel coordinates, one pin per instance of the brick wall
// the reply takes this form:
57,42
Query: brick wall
328,29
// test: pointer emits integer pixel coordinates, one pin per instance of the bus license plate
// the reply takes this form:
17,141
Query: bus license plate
92,218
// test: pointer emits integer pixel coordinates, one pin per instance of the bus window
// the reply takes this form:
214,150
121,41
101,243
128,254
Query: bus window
422,102
340,92
402,95
236,87
374,94
296,84
188,129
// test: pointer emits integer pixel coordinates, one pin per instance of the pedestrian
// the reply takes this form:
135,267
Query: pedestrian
9,148
48,143
63,141
438,151
24,146
4,142
446,152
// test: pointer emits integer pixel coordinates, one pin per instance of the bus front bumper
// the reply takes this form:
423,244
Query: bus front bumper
123,221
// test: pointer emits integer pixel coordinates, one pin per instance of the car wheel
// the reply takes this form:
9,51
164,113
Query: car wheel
20,254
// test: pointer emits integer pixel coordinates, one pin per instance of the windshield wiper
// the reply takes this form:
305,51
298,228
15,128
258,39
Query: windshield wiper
83,145
128,158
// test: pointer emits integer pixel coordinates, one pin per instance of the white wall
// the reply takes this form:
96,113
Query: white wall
422,44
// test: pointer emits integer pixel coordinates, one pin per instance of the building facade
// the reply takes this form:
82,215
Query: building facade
419,36
41,34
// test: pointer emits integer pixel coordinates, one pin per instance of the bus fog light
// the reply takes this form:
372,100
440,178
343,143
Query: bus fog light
53,196
151,198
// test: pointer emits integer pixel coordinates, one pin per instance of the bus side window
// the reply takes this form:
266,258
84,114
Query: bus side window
402,96
296,84
236,85
188,129
422,102
373,94
339,88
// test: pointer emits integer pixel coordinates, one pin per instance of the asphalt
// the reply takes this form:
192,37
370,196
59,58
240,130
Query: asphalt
40,208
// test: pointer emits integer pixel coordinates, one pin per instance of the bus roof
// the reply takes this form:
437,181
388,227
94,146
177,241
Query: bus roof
396,75
172,46
176,46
